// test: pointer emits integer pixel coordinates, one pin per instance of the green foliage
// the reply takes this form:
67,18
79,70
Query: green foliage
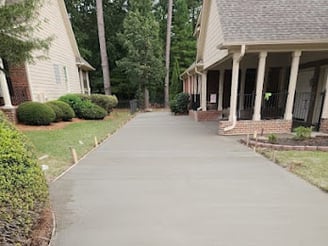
18,21
180,104
58,111
176,84
104,101
35,113
113,101
83,107
68,112
272,138
143,63
173,106
90,111
303,132
23,188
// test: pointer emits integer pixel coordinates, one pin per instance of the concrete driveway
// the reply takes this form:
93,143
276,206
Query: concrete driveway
170,181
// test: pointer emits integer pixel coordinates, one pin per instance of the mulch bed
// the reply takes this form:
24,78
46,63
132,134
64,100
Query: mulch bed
42,232
315,141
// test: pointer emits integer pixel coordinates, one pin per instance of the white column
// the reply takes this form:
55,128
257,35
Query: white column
234,87
204,92
259,85
88,83
325,105
81,81
242,88
4,87
292,84
220,92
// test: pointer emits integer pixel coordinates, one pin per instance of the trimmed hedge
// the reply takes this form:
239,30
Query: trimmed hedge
23,188
35,113
91,111
68,112
84,108
104,101
113,101
58,111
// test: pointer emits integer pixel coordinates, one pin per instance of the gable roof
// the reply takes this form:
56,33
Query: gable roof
273,20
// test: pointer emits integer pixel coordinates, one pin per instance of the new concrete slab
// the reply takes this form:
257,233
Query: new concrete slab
169,181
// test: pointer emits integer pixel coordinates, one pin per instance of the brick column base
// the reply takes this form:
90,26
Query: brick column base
10,113
262,126
210,115
324,126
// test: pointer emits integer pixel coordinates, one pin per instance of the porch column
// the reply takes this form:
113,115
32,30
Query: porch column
220,92
4,87
88,82
242,89
81,81
234,87
204,91
292,84
325,104
259,85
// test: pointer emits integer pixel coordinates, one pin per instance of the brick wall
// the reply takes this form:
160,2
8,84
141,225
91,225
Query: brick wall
210,115
324,125
11,114
19,81
249,127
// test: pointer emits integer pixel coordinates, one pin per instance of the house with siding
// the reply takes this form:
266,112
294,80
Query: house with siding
261,65
64,70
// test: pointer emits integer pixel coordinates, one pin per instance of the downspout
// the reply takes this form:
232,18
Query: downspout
201,74
234,118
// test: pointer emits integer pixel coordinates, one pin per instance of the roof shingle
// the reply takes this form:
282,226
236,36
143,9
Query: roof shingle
273,20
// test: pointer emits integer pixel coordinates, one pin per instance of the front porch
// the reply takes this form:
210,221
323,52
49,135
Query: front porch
267,92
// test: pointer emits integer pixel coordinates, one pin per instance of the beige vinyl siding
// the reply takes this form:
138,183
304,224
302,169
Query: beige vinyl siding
213,38
48,78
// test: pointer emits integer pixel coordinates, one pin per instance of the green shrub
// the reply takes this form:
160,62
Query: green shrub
91,111
173,106
72,100
35,113
180,104
68,112
23,188
303,132
84,97
58,111
272,138
103,101
113,101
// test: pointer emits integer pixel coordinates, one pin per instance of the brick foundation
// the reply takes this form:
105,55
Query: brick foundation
211,115
10,113
324,126
249,127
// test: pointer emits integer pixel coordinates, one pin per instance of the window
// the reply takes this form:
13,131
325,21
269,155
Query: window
57,73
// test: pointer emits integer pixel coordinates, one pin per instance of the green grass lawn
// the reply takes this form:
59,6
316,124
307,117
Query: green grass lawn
310,165
80,135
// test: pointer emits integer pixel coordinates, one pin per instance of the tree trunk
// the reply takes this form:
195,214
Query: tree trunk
103,49
167,53
146,95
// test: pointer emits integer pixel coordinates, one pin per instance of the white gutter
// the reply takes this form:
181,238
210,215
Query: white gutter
234,118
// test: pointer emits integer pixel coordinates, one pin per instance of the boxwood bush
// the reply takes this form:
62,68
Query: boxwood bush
23,188
35,113
58,111
105,101
84,108
113,101
91,111
68,112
